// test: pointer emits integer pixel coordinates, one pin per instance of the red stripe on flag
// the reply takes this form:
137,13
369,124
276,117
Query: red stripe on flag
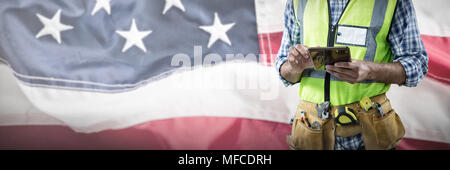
438,49
269,43
416,144
178,133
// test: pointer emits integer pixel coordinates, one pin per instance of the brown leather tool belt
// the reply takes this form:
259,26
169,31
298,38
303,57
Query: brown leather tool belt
378,132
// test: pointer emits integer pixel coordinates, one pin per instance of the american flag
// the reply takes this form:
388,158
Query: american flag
113,45
159,74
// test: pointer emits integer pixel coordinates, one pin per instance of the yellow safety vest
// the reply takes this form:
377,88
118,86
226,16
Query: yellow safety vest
363,27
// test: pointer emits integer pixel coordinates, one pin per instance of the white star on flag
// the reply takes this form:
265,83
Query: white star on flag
134,37
102,4
52,26
170,3
217,31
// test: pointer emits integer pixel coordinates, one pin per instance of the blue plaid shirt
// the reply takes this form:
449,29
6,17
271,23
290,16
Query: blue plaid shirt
404,38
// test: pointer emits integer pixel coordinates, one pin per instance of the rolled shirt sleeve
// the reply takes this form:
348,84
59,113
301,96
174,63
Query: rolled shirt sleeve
290,34
406,44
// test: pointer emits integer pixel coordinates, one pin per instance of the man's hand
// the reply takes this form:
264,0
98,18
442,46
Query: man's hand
357,71
352,72
298,60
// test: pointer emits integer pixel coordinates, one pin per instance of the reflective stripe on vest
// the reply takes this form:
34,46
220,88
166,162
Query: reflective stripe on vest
371,18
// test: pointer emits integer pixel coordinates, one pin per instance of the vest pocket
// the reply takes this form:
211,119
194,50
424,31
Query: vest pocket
389,130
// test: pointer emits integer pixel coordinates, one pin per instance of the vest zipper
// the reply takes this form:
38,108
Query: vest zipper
331,35
330,43
332,28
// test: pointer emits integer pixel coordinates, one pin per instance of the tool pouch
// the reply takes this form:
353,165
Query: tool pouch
381,133
306,138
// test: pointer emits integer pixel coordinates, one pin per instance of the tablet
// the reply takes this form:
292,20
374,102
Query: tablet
329,55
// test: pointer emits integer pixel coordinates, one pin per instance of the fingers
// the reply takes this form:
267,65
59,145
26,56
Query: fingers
351,65
345,74
299,51
298,54
343,77
347,65
343,71
292,59
293,51
299,57
303,50
293,55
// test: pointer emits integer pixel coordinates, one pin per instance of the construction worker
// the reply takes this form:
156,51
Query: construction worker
345,103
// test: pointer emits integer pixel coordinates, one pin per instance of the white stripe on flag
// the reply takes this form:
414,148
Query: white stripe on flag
202,92
270,15
432,17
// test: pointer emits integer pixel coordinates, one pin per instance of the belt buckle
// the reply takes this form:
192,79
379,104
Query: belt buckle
348,115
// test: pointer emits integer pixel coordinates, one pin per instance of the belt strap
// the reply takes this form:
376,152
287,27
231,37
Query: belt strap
310,107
